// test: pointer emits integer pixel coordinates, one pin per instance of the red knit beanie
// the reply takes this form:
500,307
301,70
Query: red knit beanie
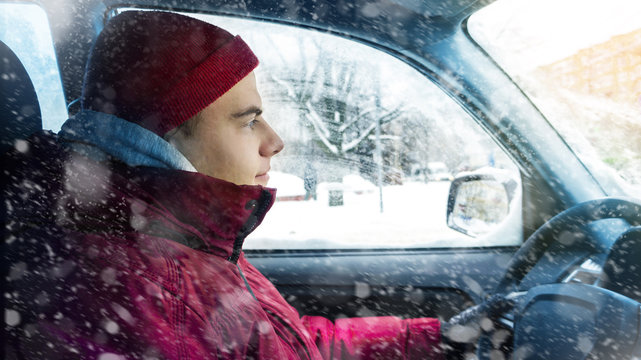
158,69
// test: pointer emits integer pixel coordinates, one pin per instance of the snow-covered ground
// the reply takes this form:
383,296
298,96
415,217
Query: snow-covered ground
413,216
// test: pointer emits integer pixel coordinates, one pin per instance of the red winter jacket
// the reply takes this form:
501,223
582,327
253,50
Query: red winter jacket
109,261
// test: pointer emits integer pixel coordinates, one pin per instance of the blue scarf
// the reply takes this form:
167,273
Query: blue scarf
97,135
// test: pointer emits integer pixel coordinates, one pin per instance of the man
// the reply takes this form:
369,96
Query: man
125,230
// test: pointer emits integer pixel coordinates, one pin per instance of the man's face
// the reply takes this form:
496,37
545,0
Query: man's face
231,140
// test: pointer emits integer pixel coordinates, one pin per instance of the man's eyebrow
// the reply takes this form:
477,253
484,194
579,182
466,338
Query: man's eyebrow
252,110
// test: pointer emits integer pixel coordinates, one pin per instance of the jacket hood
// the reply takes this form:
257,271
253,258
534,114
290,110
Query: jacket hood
98,136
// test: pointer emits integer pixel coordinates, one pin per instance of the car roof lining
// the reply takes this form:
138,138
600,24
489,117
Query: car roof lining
404,22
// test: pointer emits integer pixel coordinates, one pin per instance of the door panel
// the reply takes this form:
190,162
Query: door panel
412,283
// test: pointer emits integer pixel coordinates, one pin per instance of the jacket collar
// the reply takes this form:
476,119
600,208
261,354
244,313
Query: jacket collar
219,213
196,210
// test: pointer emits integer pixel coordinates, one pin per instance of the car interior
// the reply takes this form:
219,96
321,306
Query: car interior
572,266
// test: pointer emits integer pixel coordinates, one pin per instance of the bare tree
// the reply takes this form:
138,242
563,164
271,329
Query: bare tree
336,99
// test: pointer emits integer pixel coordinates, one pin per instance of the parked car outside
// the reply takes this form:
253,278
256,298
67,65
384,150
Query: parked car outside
290,187
438,171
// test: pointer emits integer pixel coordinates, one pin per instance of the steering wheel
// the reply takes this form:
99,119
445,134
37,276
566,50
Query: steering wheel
572,219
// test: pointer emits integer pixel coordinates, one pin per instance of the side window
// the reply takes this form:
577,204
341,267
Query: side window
372,147
25,30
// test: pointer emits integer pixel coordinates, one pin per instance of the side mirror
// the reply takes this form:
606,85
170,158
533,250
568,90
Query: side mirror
477,203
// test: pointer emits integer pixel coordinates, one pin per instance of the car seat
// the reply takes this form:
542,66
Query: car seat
19,108
19,118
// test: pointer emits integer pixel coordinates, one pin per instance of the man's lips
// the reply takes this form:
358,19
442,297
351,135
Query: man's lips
263,177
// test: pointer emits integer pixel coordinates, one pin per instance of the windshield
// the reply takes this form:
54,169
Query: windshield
579,61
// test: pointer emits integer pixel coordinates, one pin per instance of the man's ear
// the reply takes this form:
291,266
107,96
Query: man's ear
182,139
170,134
184,130
178,139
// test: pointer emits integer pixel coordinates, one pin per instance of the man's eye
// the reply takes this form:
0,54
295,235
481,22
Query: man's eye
252,123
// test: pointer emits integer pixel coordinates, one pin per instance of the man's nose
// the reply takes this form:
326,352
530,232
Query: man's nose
273,144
